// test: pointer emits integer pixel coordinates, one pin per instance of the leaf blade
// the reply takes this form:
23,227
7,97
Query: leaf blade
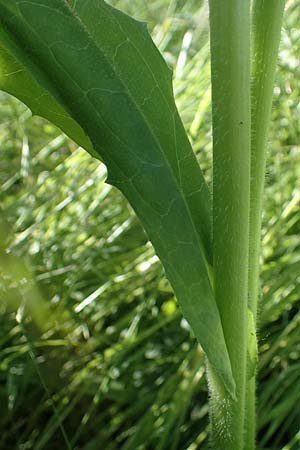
17,81
124,102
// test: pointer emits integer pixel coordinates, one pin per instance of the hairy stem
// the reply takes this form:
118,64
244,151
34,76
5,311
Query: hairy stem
267,18
230,60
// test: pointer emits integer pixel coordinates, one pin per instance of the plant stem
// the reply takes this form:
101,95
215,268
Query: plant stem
230,59
267,19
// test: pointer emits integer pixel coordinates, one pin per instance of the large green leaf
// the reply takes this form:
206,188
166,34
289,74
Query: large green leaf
17,81
102,67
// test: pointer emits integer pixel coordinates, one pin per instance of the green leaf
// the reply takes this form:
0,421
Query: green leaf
102,67
17,81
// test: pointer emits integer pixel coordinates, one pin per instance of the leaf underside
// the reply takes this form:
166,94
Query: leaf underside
87,66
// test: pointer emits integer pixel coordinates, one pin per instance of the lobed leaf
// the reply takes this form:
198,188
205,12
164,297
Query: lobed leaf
103,69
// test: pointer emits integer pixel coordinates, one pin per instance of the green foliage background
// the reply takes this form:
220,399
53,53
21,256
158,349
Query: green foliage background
94,353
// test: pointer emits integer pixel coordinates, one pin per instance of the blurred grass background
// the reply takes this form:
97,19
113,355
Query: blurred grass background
94,353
